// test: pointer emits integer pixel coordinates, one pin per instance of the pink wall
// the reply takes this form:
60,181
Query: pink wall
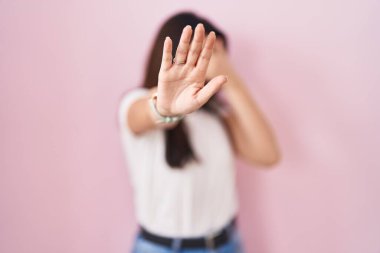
313,66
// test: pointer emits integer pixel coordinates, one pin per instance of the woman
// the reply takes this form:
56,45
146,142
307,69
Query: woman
181,136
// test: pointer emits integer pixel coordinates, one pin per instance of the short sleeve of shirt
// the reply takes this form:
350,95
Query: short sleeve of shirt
126,101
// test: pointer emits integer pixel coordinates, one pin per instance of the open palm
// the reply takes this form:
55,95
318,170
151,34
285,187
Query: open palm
181,85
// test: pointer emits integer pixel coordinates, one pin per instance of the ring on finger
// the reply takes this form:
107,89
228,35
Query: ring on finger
179,63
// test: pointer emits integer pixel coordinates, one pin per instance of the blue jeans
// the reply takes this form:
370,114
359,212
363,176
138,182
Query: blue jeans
234,245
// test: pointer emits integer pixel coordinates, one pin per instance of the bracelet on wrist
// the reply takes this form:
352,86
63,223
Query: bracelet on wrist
159,117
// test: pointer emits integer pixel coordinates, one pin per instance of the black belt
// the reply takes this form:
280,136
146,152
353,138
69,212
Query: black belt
199,242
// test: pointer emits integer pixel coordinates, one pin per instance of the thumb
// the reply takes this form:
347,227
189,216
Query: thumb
210,89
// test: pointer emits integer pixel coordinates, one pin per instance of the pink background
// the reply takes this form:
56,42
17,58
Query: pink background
313,66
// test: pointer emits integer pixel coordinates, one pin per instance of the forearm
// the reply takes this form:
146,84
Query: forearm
255,137
141,119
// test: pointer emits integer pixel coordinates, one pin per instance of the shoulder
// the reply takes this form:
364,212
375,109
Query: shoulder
132,94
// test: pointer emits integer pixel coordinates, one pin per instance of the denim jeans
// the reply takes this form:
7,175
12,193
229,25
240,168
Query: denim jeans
234,245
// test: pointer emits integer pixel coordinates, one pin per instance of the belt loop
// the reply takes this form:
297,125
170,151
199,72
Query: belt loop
210,242
176,244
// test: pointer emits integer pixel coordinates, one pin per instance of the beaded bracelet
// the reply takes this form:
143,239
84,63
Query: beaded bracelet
162,118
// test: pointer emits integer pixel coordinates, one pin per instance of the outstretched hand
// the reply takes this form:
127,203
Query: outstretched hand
181,85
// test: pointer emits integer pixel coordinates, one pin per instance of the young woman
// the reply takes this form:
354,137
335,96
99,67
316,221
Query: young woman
181,132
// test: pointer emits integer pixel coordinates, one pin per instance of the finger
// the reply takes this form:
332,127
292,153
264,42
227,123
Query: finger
196,45
166,61
210,89
184,45
204,58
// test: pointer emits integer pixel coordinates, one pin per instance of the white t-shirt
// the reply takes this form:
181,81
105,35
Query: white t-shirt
188,202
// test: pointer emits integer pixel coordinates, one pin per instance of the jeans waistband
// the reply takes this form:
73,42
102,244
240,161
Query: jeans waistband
211,240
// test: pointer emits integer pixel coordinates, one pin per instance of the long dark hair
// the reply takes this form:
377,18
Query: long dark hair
178,147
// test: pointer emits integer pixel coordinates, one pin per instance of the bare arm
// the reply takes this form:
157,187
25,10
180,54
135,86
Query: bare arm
180,88
252,136
254,139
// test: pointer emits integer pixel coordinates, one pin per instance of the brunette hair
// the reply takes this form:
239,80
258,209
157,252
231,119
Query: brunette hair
178,147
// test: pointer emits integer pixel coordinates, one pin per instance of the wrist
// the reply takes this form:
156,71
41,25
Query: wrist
158,116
